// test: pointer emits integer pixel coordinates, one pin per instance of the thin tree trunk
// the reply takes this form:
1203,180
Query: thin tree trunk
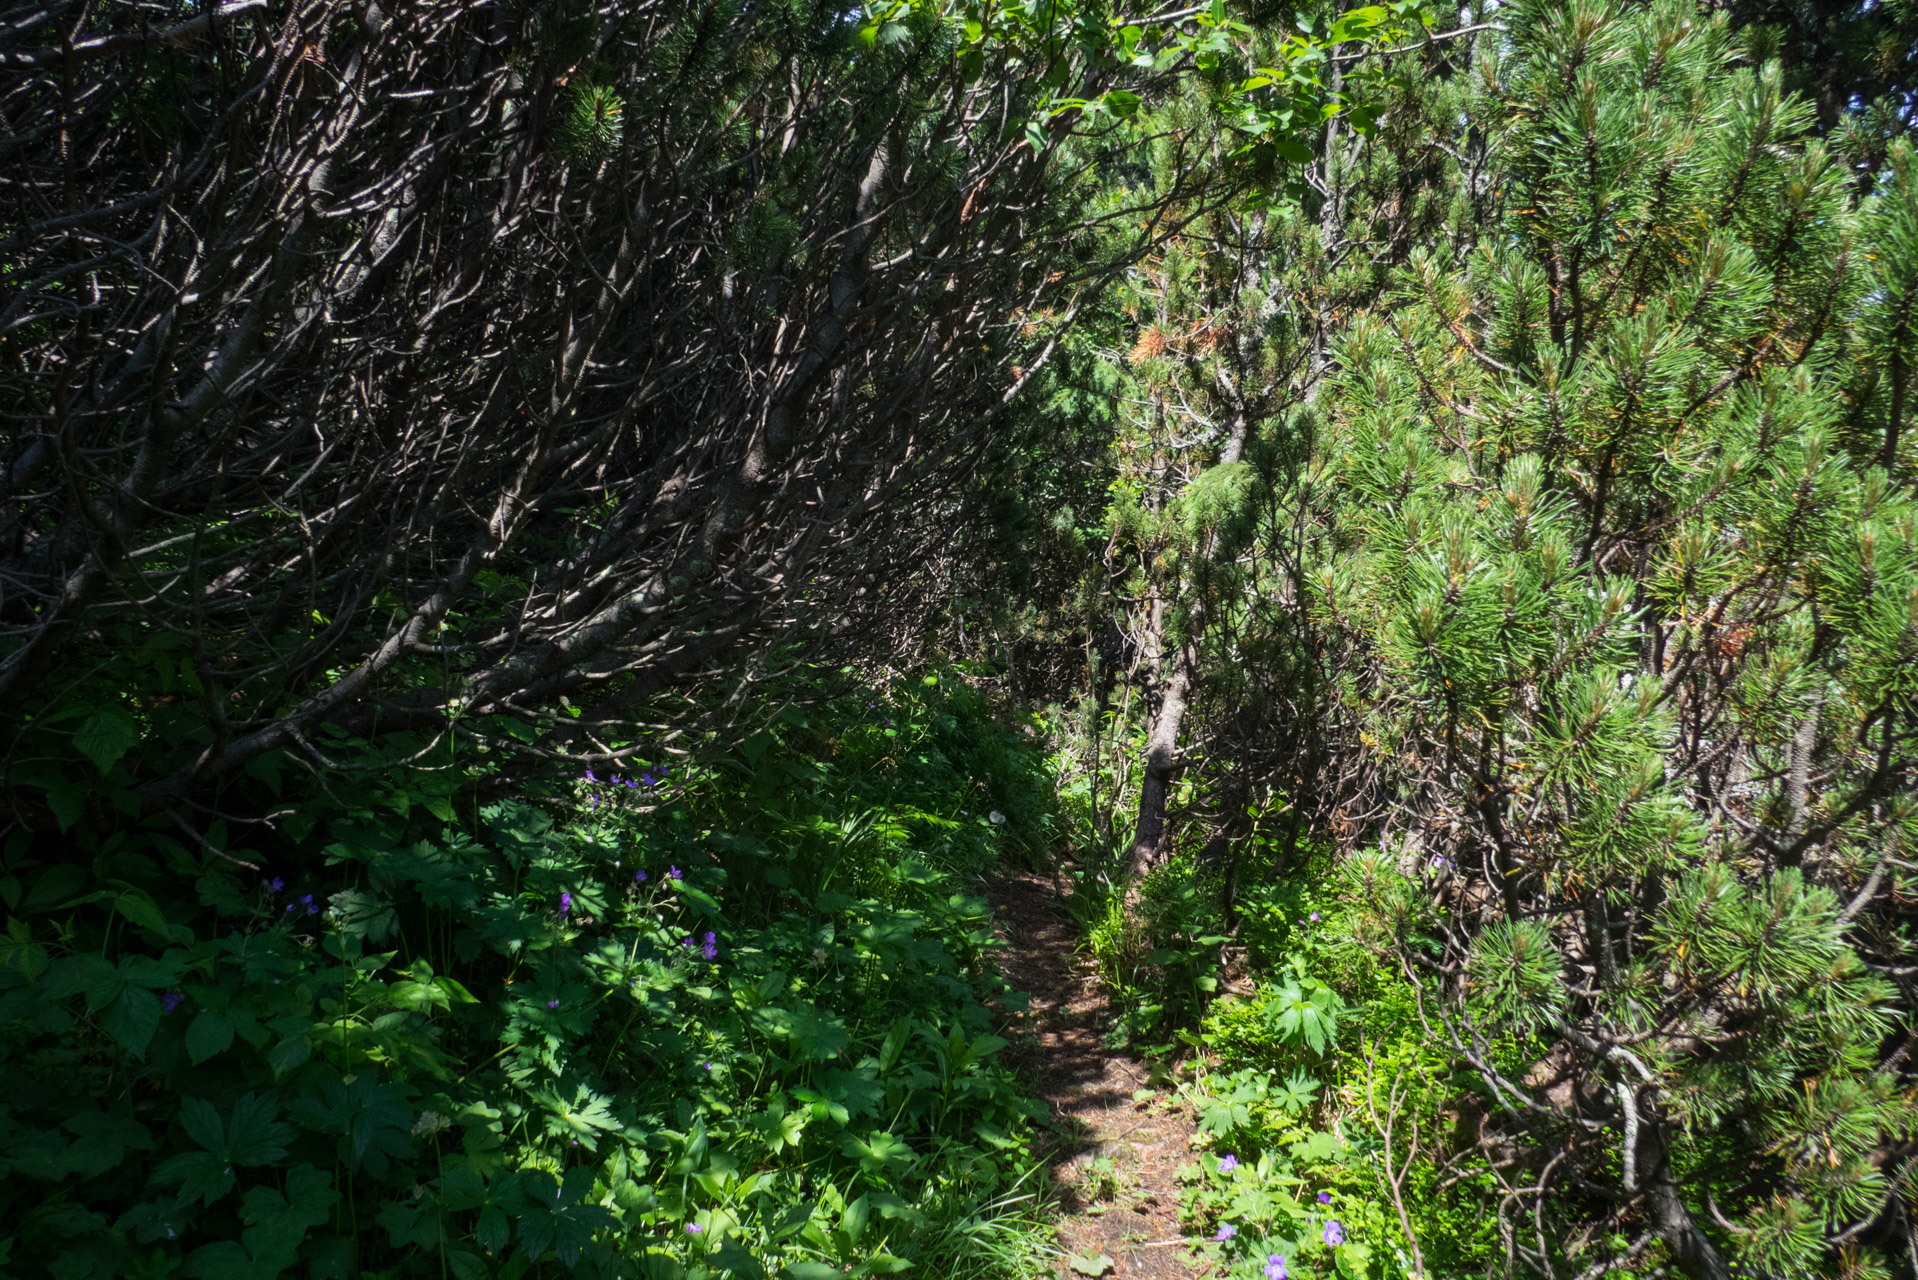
1175,684
1798,777
1691,1252
1161,758
1331,234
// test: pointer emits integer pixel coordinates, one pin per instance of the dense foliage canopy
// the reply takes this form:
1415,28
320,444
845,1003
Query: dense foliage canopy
549,551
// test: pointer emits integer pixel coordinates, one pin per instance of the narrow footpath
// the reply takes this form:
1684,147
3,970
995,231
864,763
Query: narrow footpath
1118,1134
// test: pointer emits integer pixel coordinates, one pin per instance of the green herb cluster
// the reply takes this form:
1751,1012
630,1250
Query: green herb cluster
724,1019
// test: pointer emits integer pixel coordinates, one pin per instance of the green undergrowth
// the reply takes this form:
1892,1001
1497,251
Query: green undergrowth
726,1013
1324,1083
1334,1131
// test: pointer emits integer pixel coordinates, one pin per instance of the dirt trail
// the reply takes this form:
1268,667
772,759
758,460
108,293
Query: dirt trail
1127,1209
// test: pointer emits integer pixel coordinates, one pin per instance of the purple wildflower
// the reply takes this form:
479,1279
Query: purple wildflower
312,907
672,873
693,1229
1325,1197
590,777
171,1001
1228,1164
710,949
552,1004
706,1066
1274,1267
639,877
291,905
1315,917
565,903
1334,1233
1225,1232
276,884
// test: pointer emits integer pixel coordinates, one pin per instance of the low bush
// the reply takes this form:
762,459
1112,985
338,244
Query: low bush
726,1014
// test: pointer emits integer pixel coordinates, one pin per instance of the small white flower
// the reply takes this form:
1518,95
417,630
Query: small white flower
995,817
430,1123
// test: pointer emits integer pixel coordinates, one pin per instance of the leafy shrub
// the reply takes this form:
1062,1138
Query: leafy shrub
1270,1197
718,1019
1291,1021
1340,1115
1159,957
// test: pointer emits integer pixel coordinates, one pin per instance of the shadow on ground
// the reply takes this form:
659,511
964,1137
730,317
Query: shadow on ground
1118,1134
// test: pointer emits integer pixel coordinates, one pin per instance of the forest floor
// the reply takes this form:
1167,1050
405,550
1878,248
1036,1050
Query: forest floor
1118,1131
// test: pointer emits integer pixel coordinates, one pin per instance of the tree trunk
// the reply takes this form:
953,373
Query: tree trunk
1798,776
1161,759
1693,1254
1331,234
1175,685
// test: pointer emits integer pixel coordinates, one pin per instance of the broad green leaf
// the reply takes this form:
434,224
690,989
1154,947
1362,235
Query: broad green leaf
853,1220
894,1043
879,1151
223,1260
856,1091
143,911
132,1019
985,1046
67,800
209,1034
731,1258
372,1118
1354,1260
104,1140
200,1175
148,972
407,1226
816,1035
1291,148
94,975
254,1135
277,1223
289,1053
493,1229
554,1217
107,734
251,1136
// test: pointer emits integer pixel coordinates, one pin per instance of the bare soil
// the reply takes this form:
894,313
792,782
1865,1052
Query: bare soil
1106,1105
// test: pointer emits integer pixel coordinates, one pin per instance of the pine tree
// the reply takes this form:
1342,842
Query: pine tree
1224,337
1616,571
